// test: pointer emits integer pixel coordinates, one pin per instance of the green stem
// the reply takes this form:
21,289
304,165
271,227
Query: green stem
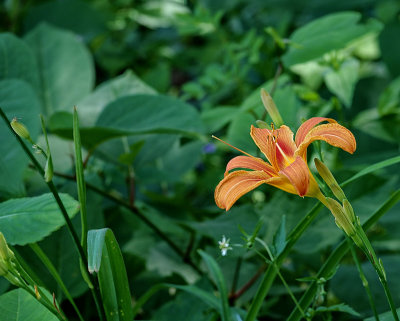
271,272
53,271
336,256
70,227
363,279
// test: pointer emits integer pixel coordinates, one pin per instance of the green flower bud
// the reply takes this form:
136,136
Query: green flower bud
271,108
348,209
341,218
48,170
327,176
20,129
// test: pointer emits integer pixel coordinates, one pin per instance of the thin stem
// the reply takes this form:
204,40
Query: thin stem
248,284
235,279
363,279
289,290
53,271
70,227
270,274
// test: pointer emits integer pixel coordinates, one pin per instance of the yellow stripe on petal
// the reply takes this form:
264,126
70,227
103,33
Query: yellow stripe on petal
334,134
235,185
309,124
299,175
253,163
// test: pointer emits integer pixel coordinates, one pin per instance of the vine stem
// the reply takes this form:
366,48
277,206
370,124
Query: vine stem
95,291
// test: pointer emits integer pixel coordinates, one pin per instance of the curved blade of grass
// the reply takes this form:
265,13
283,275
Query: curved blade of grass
203,295
221,285
372,168
334,259
105,258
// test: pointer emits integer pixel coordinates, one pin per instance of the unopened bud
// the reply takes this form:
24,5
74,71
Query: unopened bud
271,108
341,218
3,268
20,129
327,176
48,170
348,209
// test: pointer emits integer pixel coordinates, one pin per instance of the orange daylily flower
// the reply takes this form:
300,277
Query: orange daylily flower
287,167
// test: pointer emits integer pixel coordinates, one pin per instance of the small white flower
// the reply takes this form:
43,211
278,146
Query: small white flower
224,245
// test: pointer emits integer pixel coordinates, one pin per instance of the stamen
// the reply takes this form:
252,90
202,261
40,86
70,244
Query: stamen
231,146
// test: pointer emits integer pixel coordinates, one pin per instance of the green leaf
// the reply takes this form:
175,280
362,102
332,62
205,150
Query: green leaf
214,119
134,115
105,258
221,285
17,60
389,101
342,82
66,67
338,308
151,114
19,305
280,237
318,37
30,219
125,85
373,168
26,108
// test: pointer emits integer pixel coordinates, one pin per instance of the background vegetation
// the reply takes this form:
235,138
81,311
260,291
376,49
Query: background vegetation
152,80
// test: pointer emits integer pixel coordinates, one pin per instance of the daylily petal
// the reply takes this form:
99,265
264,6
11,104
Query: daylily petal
264,141
308,125
235,185
254,163
285,146
298,175
334,134
277,146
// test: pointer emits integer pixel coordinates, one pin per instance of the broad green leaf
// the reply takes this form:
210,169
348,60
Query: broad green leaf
92,105
221,285
214,119
66,67
26,108
17,60
318,37
239,133
18,305
142,114
134,115
30,219
342,82
105,258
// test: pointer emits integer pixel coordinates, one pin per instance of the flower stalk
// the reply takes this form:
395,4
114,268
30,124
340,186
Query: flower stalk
351,225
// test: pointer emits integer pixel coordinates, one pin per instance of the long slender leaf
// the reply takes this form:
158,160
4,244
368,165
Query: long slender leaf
220,282
105,258
373,168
